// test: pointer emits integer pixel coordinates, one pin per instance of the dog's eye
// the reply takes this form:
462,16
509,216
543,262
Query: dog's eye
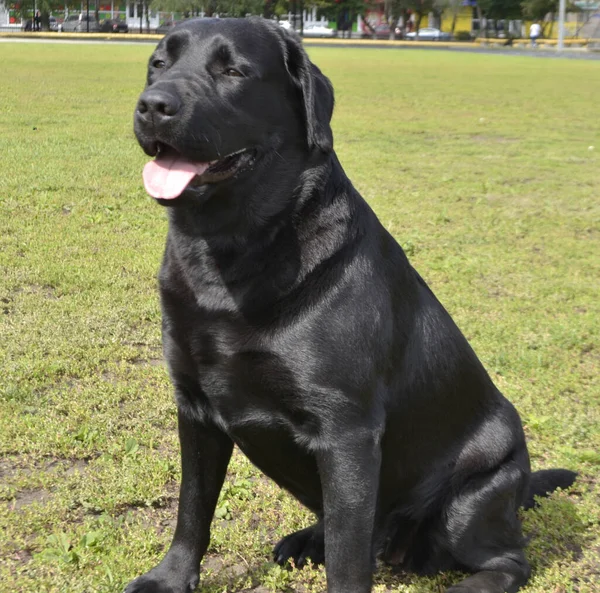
233,72
158,64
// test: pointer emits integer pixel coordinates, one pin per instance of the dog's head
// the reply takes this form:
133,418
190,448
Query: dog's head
222,97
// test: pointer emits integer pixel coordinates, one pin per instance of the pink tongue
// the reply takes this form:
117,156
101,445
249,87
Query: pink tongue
167,178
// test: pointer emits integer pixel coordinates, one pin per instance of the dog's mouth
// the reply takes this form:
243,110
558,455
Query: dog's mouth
171,173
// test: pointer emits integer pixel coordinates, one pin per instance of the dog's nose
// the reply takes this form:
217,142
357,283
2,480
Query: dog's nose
157,104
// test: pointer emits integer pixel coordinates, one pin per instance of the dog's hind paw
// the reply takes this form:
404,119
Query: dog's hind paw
301,546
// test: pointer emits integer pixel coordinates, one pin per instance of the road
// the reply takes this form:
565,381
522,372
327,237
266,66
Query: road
575,54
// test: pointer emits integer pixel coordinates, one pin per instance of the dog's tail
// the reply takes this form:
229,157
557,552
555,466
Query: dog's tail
547,481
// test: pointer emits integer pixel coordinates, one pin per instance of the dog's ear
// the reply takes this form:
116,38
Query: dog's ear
316,90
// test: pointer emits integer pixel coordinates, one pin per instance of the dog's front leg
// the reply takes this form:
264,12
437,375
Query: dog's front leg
205,454
349,471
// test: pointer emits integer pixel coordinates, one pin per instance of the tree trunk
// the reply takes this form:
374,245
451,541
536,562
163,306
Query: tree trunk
45,19
267,9
405,18
551,27
480,19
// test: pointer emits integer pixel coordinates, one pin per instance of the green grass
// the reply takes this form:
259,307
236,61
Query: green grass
479,165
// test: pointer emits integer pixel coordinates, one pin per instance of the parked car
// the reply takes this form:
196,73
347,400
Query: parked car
114,26
316,30
78,23
381,31
53,23
429,34
166,27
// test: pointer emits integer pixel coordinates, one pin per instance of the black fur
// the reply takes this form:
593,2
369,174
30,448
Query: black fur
546,481
295,327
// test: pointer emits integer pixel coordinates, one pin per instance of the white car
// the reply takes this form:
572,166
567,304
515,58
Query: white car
429,34
318,31
78,23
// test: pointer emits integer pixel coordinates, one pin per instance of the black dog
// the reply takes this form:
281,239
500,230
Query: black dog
295,327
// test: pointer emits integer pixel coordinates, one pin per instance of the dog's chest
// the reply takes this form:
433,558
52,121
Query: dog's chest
243,384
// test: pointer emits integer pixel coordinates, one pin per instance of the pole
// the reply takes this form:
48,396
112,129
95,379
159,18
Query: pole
561,24
87,21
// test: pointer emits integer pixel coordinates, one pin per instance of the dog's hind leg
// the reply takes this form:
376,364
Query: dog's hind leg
483,532
301,546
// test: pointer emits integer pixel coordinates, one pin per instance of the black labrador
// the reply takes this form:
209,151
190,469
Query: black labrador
295,328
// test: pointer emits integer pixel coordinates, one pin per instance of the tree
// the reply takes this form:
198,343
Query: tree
536,10
504,9
393,10
187,7
453,7
420,8
192,8
347,11
46,7
497,9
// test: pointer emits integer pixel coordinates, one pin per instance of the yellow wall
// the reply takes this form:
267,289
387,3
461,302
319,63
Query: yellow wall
463,20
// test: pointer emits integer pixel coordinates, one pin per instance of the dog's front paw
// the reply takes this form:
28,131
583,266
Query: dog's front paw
162,581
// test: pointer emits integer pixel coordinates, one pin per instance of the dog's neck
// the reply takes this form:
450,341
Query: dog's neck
238,216
269,246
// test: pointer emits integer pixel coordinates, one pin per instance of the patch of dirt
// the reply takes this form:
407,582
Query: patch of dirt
109,377
589,351
46,290
77,466
27,497
18,558
17,466
6,305
152,362
158,519
212,563
161,515
589,569
7,468
492,139
214,570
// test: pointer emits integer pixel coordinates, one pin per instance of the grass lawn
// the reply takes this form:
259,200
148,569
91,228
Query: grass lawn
482,166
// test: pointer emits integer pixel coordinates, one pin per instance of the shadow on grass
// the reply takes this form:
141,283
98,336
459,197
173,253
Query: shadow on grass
555,532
